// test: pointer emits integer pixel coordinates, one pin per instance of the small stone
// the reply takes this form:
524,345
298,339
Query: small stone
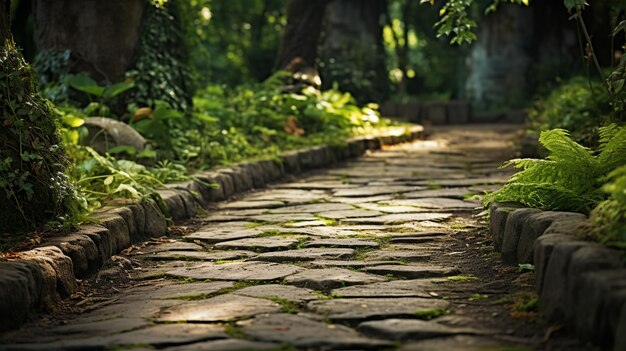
321,279
408,256
307,334
410,329
375,308
221,308
307,254
285,292
261,244
400,218
256,271
413,271
342,243
394,288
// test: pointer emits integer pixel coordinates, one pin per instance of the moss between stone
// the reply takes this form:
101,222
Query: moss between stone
431,313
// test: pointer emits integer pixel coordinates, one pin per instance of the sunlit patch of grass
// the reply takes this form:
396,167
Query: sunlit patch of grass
431,313
462,278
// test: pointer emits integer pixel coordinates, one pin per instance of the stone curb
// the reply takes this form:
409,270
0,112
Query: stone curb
580,283
34,281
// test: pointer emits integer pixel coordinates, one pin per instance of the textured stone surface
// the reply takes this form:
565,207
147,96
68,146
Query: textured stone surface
395,288
358,309
320,279
236,271
400,218
307,334
221,308
307,254
261,244
284,292
410,329
342,243
412,271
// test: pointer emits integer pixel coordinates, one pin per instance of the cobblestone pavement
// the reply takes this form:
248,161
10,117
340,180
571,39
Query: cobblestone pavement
384,252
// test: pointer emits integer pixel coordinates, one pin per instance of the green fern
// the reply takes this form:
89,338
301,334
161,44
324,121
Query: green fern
609,218
570,178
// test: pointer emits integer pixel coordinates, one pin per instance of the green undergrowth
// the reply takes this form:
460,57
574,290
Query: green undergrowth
576,178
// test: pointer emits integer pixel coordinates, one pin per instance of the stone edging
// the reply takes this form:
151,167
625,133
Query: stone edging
581,284
34,281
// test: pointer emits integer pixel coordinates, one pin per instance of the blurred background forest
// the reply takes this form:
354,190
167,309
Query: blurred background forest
201,83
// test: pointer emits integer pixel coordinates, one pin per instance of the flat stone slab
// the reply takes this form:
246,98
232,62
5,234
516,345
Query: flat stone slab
322,231
307,334
227,345
453,193
307,254
461,343
356,213
410,329
158,336
313,208
364,199
303,224
374,190
391,209
436,203
413,271
178,291
408,256
400,218
321,185
346,263
321,279
394,288
283,217
200,255
261,244
212,237
256,271
221,308
169,246
343,243
116,325
285,292
369,308
248,204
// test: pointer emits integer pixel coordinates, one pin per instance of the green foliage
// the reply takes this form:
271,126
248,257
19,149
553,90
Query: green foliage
577,105
161,73
609,217
33,185
570,178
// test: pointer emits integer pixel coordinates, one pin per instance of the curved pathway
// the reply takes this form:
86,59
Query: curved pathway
388,251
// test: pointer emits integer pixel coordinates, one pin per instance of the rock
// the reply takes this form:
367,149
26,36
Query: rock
342,243
307,334
256,271
227,345
80,249
394,288
407,256
412,271
372,191
268,243
23,288
543,247
410,329
536,225
221,308
498,215
199,255
176,291
155,223
175,204
460,343
515,222
350,264
284,292
597,304
245,204
329,278
307,254
106,133
62,267
400,218
217,236
118,230
440,203
358,309
555,293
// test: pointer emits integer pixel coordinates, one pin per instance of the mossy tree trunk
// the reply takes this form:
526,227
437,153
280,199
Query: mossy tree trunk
33,186
102,36
302,33
352,51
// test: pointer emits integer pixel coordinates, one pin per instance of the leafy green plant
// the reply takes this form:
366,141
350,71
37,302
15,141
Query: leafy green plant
570,178
608,219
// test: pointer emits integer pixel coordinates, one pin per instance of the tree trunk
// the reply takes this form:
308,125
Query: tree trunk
5,20
302,33
101,35
352,53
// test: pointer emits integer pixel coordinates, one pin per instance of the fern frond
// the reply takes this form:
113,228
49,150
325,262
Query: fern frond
548,196
605,134
563,148
613,152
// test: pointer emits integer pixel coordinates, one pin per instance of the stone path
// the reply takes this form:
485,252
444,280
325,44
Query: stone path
382,253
